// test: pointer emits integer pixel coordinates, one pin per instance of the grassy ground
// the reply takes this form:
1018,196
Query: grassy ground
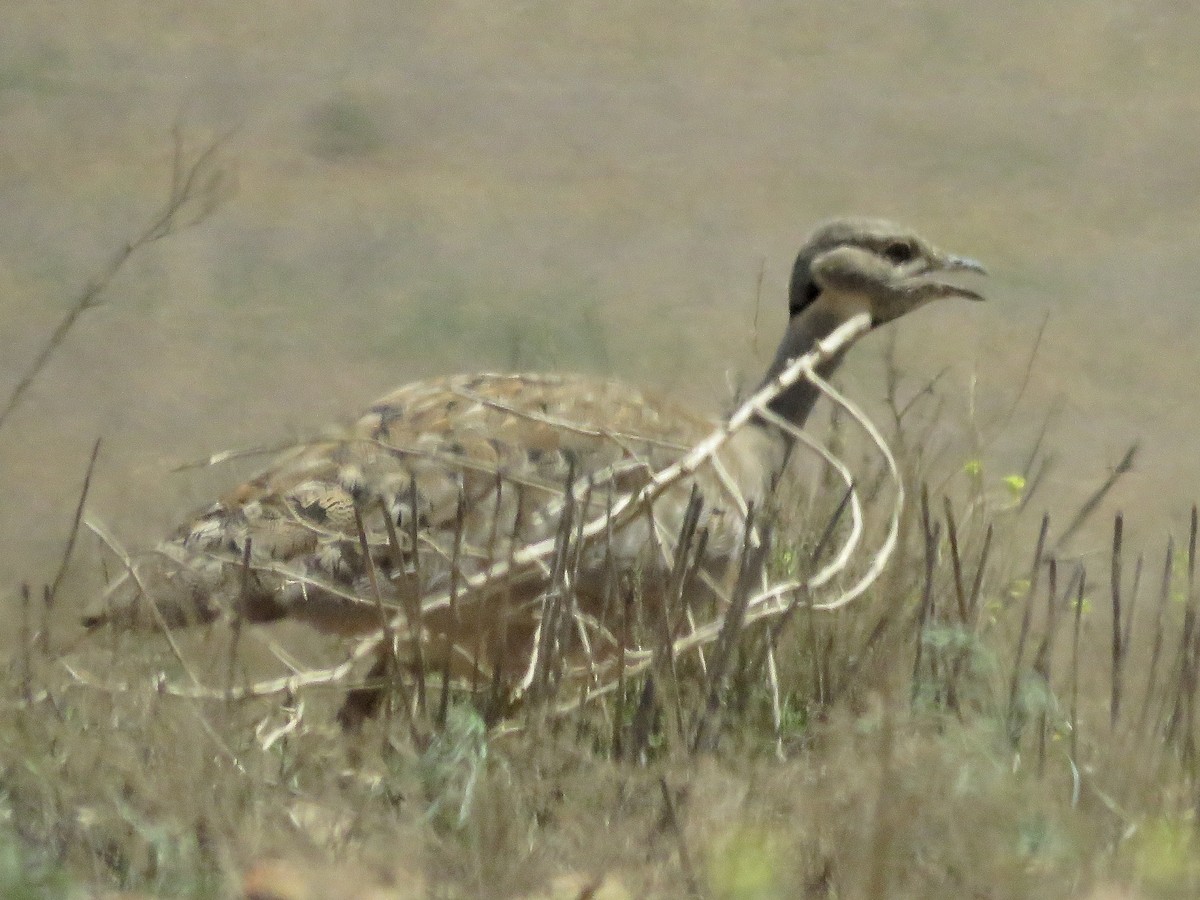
974,726
473,185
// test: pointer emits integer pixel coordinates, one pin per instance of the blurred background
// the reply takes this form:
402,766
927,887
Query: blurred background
428,187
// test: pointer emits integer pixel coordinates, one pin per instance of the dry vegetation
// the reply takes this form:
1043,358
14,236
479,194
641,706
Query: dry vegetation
989,720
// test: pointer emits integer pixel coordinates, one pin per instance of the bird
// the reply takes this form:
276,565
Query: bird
446,478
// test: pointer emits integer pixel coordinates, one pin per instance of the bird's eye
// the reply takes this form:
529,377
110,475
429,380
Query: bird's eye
899,252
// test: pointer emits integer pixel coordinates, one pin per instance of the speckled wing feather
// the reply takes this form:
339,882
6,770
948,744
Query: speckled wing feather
471,466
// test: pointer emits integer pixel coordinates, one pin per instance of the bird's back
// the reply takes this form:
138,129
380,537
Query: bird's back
471,467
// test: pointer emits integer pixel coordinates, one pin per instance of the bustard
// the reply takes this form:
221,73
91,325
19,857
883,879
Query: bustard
442,478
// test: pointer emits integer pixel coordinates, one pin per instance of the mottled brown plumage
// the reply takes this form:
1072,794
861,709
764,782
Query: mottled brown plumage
474,466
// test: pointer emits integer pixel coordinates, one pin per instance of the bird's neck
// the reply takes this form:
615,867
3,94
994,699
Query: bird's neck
804,330
758,453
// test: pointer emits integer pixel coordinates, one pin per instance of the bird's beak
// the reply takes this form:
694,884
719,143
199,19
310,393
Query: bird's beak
954,263
949,262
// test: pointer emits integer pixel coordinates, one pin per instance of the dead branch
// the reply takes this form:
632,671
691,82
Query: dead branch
199,185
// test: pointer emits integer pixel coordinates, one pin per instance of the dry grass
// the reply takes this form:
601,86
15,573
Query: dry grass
973,726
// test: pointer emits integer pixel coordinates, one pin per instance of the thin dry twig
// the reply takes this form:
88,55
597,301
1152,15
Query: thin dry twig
198,187
1118,652
671,820
1089,506
52,591
1164,592
131,571
1015,716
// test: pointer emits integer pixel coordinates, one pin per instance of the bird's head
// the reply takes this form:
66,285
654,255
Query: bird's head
875,266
